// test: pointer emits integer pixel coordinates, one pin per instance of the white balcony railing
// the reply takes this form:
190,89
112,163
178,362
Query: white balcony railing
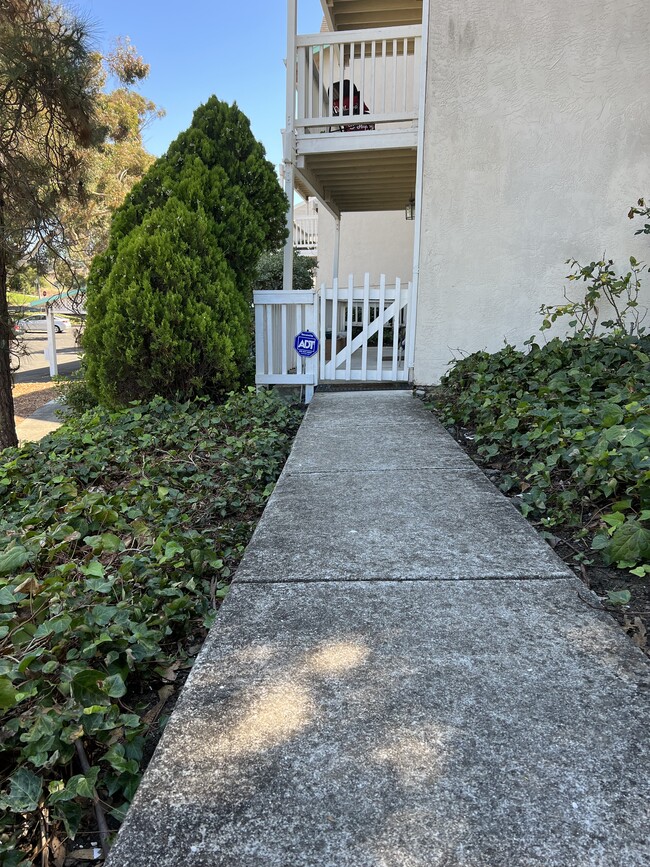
358,79
305,234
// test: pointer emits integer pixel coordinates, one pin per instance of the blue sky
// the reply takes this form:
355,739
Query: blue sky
196,48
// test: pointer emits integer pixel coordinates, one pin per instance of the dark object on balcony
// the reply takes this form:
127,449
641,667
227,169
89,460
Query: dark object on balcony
409,208
340,109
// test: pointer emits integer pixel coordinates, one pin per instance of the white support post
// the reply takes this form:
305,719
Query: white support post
335,327
396,317
348,340
289,138
413,300
365,323
50,352
337,248
323,331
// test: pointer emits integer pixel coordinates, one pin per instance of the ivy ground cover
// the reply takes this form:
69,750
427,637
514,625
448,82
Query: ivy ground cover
118,537
566,428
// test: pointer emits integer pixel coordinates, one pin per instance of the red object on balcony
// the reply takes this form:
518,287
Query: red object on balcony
339,110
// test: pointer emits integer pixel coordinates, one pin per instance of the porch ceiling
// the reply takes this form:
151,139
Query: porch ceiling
381,180
361,14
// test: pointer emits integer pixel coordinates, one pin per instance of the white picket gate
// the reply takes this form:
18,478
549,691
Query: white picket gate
369,330
365,334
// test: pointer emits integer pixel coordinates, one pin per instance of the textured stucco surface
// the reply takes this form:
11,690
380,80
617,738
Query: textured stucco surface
537,141
377,242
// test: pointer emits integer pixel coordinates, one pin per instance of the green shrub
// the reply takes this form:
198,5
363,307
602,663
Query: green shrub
568,424
172,320
72,390
169,302
119,536
270,271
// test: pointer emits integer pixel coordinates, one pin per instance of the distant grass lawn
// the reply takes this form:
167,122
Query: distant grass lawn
18,299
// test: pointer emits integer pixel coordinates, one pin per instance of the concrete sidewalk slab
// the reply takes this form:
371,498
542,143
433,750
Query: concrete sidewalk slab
499,724
360,409
341,446
418,524
41,422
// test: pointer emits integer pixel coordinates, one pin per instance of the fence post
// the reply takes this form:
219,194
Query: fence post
311,367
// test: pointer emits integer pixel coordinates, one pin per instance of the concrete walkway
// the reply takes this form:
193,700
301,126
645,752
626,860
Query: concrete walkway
403,675
41,422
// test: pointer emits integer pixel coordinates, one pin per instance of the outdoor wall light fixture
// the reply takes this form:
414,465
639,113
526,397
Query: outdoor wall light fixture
409,209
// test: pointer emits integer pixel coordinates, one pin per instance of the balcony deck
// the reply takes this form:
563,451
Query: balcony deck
336,142
355,131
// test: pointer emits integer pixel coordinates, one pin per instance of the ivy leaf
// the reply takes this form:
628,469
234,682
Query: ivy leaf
13,559
171,550
614,520
630,543
633,438
118,761
119,813
7,693
79,786
94,569
86,689
7,596
13,857
111,543
114,686
24,793
99,585
619,597
70,813
612,414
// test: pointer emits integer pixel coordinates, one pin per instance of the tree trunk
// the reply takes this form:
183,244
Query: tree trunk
7,423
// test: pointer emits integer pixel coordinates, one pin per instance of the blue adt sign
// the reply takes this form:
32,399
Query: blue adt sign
306,344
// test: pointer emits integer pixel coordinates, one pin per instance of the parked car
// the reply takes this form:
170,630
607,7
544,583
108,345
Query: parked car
39,323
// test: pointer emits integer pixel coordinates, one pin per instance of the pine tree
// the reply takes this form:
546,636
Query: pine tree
186,241
110,170
47,117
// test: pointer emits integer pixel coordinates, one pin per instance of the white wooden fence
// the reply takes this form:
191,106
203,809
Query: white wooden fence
279,317
365,334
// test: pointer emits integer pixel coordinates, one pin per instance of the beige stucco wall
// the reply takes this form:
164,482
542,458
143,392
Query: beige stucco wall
537,141
377,242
